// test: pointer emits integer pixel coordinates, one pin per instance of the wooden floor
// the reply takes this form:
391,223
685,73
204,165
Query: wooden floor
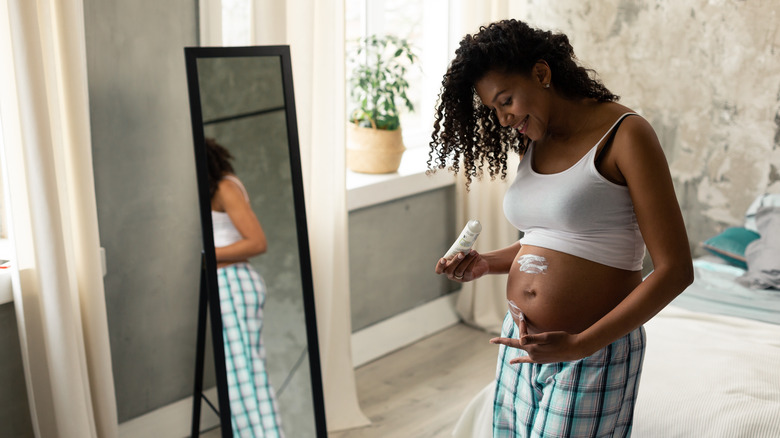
421,390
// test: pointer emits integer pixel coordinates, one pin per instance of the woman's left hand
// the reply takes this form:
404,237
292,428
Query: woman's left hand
547,347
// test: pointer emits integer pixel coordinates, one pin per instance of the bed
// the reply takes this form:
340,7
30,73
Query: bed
711,367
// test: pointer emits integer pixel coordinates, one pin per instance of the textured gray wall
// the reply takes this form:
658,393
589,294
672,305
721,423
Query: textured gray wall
706,74
246,91
146,194
393,248
14,409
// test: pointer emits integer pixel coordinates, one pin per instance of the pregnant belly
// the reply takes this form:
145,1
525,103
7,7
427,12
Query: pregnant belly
557,291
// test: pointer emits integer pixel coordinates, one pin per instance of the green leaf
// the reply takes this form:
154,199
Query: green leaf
378,77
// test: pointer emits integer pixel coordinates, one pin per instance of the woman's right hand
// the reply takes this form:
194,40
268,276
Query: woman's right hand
463,267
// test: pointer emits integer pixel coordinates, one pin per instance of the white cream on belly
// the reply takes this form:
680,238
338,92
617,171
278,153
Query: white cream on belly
515,311
532,264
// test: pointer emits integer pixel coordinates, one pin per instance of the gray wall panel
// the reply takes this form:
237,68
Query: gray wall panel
146,194
15,419
393,248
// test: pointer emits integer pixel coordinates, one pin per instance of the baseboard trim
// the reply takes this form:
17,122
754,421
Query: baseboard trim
171,421
403,329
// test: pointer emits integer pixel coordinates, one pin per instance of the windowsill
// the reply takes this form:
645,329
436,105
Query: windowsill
364,190
6,286
6,292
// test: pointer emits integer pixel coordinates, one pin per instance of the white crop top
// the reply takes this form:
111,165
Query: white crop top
576,211
225,233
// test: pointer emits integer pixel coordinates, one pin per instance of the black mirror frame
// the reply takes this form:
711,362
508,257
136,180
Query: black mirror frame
192,54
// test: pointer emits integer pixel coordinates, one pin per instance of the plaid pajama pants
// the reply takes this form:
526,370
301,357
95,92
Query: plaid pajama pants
253,408
590,397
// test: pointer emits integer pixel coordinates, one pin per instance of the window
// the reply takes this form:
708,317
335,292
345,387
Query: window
235,22
425,26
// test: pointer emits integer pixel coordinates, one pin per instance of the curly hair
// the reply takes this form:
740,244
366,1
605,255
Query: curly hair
465,128
218,158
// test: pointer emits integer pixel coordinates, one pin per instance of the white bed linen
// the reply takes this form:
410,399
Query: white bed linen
709,376
704,375
716,290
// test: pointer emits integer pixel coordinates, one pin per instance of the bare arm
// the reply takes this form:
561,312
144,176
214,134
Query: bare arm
230,197
641,161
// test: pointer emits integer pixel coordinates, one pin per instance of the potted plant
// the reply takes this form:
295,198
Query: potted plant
378,88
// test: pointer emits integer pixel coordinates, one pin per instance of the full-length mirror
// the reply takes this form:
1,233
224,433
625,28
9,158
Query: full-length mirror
256,257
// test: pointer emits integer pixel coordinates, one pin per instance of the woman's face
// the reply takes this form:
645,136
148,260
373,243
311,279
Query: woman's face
518,100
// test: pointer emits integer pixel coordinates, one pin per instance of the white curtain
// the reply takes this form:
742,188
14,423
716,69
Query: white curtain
315,33
210,23
58,289
482,303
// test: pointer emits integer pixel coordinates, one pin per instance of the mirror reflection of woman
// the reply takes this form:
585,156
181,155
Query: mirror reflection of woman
593,188
238,236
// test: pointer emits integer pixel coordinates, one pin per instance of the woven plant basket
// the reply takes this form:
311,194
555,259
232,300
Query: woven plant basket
372,150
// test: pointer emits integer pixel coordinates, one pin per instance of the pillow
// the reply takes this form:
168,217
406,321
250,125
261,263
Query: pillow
730,245
765,200
763,255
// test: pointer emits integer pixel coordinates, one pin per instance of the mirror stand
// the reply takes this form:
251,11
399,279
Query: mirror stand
200,357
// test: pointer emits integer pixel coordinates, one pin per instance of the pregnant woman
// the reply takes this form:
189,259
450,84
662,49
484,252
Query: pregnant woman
593,189
238,236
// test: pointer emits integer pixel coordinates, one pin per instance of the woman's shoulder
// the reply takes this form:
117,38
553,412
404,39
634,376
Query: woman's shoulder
230,185
608,113
230,178
634,136
611,112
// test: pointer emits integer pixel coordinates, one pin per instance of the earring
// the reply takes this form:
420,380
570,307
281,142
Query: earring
547,85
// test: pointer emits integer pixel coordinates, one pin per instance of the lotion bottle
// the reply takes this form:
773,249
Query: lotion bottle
466,239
